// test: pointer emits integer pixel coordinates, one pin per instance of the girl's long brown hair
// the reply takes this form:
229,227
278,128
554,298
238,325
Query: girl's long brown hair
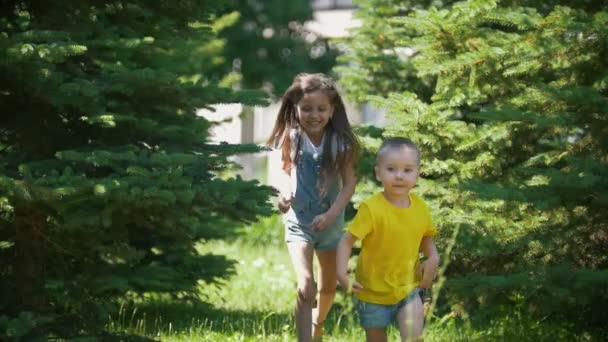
287,125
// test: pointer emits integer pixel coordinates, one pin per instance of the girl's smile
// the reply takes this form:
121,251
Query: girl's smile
314,112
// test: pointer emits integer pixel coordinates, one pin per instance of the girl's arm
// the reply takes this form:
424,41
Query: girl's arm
285,192
429,266
280,180
349,181
345,248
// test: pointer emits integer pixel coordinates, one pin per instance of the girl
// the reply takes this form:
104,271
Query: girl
319,151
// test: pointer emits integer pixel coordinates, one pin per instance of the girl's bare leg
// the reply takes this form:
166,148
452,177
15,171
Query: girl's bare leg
327,289
375,335
301,254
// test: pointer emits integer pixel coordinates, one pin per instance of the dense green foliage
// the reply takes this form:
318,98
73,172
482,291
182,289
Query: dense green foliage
107,175
508,102
375,58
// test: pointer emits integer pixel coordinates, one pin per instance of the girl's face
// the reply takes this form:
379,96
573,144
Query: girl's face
397,169
314,112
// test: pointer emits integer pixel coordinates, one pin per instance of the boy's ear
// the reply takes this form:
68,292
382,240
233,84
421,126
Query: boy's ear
377,171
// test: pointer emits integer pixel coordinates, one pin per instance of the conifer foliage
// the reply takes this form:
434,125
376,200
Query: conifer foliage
514,139
107,176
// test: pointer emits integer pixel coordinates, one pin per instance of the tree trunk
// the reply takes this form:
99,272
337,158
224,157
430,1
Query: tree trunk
30,258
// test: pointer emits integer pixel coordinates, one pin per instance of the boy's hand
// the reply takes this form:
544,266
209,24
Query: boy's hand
425,284
284,204
426,272
321,222
349,285
420,271
426,297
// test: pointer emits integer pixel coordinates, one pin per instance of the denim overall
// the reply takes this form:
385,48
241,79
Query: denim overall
306,204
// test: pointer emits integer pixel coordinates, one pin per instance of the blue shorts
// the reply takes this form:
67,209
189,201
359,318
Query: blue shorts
373,315
325,240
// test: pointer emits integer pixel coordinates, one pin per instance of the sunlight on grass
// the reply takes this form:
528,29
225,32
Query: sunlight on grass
264,279
256,305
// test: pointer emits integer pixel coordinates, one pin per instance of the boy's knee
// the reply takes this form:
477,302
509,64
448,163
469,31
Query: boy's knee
411,330
307,291
412,339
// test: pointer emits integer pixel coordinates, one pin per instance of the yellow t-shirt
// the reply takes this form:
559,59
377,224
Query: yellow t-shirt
390,238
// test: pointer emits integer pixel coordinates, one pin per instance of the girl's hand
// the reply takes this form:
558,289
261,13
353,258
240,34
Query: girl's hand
356,287
321,222
284,204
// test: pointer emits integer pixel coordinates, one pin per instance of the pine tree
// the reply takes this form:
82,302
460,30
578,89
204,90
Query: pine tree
514,145
107,176
375,57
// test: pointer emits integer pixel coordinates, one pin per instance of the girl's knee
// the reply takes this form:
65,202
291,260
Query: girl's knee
375,334
411,329
327,290
327,293
307,291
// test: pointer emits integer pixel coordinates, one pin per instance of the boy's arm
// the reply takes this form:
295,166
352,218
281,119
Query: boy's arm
345,248
349,181
429,266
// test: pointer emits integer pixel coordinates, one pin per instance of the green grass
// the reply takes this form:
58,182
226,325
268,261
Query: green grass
256,305
264,279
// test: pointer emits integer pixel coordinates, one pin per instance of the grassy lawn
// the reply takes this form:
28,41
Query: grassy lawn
256,305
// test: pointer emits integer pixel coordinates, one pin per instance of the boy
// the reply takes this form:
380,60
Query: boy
394,225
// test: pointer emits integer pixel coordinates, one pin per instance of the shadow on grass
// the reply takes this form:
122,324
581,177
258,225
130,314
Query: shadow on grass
154,318
157,318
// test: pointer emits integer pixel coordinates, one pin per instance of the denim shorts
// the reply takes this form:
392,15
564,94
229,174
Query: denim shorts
325,240
373,315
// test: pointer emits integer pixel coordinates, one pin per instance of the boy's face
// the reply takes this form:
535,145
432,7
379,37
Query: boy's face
397,169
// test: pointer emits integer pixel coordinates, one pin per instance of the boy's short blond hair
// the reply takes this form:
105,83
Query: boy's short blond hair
395,143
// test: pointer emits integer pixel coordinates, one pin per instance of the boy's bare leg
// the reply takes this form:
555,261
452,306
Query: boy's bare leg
301,254
411,320
327,289
375,335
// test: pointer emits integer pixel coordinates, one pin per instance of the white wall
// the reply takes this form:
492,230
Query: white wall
231,128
